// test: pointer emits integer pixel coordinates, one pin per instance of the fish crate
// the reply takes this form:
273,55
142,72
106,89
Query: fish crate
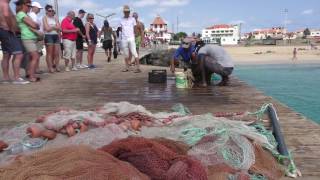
158,76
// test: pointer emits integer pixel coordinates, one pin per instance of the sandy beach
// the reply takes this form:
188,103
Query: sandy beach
273,55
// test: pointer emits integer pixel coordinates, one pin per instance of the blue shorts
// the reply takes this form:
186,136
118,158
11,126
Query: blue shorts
10,43
51,39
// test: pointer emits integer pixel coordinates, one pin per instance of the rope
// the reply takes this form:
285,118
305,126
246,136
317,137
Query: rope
261,112
291,169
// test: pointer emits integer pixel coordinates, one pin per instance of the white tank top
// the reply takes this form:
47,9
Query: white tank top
51,23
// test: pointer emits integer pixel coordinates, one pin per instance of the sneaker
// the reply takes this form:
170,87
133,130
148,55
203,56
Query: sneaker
79,66
84,66
92,66
20,81
67,69
137,71
74,69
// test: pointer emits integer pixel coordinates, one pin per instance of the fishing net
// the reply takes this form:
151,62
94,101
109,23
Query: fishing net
75,162
60,119
191,129
125,108
156,160
178,147
265,164
94,138
233,150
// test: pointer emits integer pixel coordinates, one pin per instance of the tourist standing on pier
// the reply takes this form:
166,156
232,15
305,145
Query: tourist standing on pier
80,39
69,36
128,44
36,8
138,32
52,29
118,34
29,36
92,33
214,59
108,38
10,44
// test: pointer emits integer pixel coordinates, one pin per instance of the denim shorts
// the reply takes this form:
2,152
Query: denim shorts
51,39
10,43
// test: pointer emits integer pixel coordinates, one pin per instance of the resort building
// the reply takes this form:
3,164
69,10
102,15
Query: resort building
159,30
222,34
274,33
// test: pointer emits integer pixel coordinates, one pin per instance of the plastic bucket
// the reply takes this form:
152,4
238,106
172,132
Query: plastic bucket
181,80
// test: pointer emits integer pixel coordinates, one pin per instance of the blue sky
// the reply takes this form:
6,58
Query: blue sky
194,15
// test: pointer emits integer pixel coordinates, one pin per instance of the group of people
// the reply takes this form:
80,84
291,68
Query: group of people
22,37
204,60
24,34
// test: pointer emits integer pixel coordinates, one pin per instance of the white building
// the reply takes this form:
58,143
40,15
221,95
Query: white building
222,33
314,33
274,33
159,30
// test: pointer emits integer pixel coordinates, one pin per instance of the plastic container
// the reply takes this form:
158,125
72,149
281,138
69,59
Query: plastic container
181,80
16,149
158,76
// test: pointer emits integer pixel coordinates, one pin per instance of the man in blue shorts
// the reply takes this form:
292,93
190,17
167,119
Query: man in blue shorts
10,44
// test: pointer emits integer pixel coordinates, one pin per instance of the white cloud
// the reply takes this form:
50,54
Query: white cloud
307,12
173,3
160,3
237,22
144,3
76,4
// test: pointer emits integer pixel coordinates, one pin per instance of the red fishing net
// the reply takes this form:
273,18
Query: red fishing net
176,146
72,163
266,164
156,160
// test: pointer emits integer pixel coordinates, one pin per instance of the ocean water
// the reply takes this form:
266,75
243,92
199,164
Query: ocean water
297,86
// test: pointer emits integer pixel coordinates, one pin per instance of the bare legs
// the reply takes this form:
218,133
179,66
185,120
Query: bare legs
91,51
79,56
50,57
34,57
15,65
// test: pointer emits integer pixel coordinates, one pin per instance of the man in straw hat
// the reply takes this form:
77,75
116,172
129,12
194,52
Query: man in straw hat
127,25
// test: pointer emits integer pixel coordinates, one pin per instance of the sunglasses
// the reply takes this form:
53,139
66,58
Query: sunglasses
91,18
50,10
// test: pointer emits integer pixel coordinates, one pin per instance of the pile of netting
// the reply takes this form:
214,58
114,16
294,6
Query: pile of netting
73,162
156,160
165,145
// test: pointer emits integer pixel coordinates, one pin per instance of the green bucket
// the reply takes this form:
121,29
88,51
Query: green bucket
181,80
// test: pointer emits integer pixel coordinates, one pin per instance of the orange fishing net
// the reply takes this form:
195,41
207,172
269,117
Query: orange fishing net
266,164
156,160
75,162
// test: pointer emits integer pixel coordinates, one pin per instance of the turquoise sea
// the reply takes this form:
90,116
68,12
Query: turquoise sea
297,86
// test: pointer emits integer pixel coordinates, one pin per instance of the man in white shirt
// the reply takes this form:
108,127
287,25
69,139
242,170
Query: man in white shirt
127,25
214,59
36,7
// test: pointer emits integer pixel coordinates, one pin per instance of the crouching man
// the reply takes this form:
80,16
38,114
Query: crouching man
214,59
